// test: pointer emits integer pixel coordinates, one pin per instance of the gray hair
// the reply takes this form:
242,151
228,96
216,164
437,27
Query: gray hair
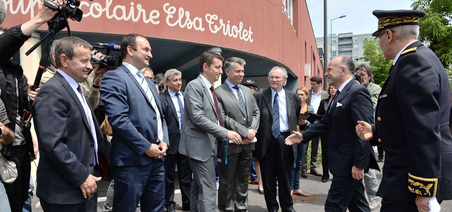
348,63
2,11
230,62
368,70
406,31
171,72
278,67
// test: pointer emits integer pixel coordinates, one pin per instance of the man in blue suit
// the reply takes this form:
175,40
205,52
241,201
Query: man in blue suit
140,136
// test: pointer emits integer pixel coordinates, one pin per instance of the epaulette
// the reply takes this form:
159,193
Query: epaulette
409,50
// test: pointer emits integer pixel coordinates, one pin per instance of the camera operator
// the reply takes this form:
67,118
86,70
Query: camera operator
14,86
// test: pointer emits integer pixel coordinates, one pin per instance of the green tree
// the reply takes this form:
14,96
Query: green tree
436,28
377,61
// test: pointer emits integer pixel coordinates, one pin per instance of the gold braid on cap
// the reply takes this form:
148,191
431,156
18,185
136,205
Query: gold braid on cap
397,20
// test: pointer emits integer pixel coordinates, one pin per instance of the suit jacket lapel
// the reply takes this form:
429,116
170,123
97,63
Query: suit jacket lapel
170,103
207,93
74,97
342,95
268,100
232,96
137,83
289,104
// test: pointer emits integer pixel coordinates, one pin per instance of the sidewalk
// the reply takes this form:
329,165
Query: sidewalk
311,185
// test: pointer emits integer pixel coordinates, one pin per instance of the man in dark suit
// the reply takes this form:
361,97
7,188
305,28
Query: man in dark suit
316,94
70,141
173,108
241,114
348,155
279,109
412,118
203,125
140,134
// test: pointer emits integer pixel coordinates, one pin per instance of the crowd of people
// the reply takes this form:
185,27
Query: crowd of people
152,127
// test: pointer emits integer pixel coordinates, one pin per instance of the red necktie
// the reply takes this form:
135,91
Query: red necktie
216,106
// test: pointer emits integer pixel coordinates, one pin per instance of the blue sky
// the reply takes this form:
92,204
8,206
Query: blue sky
359,18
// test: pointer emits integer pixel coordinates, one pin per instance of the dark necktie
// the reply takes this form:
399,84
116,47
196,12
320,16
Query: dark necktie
181,110
334,101
275,126
241,101
216,106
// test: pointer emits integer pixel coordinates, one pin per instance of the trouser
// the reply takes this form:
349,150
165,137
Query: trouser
314,154
18,190
203,185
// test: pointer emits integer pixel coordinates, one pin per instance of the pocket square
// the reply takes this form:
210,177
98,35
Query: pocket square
338,104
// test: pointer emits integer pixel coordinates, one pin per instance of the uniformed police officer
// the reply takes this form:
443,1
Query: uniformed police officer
412,118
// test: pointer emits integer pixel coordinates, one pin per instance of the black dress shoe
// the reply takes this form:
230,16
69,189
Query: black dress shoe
260,191
170,209
324,180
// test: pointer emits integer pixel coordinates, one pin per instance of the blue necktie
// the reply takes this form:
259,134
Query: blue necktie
275,126
181,110
241,101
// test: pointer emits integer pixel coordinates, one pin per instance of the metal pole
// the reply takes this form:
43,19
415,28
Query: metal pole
325,43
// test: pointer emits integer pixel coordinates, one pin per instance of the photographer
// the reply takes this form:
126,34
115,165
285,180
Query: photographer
14,86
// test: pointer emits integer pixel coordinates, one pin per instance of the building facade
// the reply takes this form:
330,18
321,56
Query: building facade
265,33
345,44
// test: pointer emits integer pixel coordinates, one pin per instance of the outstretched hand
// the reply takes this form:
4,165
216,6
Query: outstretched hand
295,138
364,131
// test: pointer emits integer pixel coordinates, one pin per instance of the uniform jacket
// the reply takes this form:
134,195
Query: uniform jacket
66,144
131,116
234,118
200,131
411,124
345,149
264,102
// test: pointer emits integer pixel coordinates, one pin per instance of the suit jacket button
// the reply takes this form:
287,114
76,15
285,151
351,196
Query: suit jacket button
154,118
379,140
155,134
244,119
378,119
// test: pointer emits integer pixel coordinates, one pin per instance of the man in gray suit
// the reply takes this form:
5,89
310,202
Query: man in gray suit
203,125
241,114
316,94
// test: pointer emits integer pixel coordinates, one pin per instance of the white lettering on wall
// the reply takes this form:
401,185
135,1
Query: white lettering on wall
136,13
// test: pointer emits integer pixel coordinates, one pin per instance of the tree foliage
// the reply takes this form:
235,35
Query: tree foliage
436,27
377,61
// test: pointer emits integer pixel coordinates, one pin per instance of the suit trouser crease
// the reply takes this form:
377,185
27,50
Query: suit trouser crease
278,163
203,186
234,182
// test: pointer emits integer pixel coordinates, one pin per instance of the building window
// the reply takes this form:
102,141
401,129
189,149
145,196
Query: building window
355,40
355,53
287,6
334,40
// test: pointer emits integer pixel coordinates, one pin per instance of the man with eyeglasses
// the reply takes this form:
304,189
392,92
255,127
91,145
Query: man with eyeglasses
280,109
348,156
412,118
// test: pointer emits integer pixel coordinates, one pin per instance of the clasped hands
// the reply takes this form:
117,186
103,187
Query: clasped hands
237,139
157,151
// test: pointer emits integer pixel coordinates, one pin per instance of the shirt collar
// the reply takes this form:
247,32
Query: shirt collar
400,53
281,93
343,85
172,93
206,82
69,79
131,68
230,84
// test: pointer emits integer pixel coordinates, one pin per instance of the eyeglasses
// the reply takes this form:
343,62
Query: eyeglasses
275,78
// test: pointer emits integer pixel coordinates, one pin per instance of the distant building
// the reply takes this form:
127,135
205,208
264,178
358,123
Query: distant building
345,44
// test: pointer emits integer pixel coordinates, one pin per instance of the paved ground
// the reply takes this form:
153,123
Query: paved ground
311,185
